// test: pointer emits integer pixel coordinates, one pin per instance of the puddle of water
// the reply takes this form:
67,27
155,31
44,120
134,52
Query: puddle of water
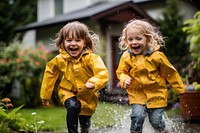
124,127
174,125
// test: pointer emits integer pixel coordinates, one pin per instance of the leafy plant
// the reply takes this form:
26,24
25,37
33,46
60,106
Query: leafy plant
192,28
36,124
10,118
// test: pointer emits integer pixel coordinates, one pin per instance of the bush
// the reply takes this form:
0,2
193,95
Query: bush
192,28
22,69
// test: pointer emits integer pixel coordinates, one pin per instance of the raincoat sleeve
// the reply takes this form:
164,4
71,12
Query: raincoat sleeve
123,70
171,74
100,72
51,74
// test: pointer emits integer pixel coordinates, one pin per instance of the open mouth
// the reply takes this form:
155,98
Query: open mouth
73,49
136,47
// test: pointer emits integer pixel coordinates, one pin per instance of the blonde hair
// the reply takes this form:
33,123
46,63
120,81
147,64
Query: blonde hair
147,29
77,30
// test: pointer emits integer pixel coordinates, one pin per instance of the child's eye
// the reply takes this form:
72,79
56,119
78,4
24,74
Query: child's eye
138,38
68,40
130,39
78,40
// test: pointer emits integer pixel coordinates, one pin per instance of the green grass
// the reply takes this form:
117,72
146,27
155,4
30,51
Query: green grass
106,115
54,117
172,112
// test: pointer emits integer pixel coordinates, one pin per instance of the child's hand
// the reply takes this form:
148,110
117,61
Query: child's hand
45,102
127,82
89,85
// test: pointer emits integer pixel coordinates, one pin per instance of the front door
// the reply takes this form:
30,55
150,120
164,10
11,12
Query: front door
116,54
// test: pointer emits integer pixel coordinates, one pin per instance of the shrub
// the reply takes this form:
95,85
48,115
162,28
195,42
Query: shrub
24,66
192,28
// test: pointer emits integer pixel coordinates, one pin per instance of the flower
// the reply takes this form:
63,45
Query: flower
21,52
34,113
37,63
176,105
6,100
40,122
18,60
9,105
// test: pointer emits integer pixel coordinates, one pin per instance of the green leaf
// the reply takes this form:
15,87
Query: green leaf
3,114
188,22
13,112
197,15
192,28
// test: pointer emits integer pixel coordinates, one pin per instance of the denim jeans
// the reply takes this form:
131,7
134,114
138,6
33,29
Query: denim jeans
139,113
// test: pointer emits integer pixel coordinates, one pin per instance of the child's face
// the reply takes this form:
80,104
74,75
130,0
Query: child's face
74,46
137,42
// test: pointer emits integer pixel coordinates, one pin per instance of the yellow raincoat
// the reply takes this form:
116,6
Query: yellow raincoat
76,72
149,74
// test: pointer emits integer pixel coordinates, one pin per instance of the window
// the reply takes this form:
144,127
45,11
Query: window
58,7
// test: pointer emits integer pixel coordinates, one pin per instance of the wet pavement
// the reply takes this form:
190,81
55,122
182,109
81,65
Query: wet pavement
181,126
174,124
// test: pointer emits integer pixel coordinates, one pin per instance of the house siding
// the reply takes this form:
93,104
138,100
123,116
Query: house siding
46,35
45,9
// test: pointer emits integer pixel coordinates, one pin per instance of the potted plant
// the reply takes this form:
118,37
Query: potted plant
189,103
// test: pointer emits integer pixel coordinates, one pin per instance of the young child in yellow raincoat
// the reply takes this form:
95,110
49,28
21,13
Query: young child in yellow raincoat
143,71
83,75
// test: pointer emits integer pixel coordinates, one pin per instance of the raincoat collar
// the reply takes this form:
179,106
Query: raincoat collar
147,53
65,55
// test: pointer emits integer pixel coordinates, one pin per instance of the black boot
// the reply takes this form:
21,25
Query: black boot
85,123
73,109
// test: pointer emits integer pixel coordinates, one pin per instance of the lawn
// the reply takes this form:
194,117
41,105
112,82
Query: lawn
53,117
106,115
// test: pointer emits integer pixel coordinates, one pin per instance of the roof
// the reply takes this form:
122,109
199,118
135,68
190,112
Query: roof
95,12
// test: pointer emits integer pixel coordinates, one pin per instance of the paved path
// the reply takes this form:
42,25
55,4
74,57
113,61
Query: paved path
174,125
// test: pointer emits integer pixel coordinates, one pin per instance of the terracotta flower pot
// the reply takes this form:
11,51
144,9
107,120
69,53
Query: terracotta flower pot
190,106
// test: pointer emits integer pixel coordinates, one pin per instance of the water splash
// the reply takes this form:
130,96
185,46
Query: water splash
173,125
124,125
